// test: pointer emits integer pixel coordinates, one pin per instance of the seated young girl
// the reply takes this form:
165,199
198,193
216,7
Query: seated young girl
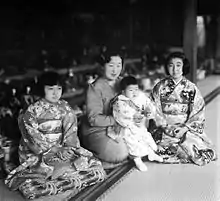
51,158
130,109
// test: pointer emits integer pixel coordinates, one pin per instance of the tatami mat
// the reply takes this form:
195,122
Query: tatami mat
166,182
179,182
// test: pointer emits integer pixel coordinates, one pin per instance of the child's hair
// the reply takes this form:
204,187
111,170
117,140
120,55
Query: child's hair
126,81
49,78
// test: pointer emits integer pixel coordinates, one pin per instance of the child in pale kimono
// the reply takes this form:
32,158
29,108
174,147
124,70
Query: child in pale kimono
130,109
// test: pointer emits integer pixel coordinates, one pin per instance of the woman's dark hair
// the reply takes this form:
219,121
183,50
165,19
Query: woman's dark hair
49,78
180,55
126,81
105,58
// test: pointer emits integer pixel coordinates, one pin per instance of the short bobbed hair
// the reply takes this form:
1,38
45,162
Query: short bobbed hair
49,78
180,55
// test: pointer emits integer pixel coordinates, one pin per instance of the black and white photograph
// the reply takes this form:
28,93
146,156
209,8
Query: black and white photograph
110,100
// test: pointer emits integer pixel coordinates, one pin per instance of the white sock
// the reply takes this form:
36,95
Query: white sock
140,164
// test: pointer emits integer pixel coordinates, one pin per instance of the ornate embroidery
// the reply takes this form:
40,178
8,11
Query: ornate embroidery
180,107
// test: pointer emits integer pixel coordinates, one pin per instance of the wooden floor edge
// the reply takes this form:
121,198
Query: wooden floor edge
214,93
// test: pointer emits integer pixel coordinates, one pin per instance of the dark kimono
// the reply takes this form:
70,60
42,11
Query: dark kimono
178,105
99,122
51,158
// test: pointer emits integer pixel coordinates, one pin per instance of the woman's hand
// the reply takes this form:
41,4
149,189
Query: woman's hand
55,149
160,149
66,153
148,113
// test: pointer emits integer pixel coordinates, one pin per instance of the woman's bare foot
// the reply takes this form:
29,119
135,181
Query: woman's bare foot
140,164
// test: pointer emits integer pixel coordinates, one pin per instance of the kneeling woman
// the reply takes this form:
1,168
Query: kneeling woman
180,116
52,160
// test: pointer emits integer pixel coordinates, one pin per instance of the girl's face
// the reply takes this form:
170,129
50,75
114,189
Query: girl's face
113,68
131,91
175,68
53,93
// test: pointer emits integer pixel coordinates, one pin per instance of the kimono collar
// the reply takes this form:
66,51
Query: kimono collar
176,83
123,97
48,102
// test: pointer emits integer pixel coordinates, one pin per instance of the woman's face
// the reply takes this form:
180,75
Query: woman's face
113,68
53,93
175,68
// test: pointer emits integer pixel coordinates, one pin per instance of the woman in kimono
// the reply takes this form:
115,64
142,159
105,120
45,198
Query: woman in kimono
180,117
99,120
51,158
129,109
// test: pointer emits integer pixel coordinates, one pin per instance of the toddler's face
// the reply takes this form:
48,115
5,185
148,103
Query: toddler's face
131,91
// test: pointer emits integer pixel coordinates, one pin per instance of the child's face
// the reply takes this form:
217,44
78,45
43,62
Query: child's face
131,91
53,93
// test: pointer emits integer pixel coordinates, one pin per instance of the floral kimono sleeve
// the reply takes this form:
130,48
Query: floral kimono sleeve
196,120
155,97
34,139
122,114
70,137
150,108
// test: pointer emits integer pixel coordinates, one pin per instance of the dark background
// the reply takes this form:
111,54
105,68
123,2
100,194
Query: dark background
65,28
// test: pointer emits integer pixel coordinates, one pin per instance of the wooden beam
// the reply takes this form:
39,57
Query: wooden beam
190,36
218,39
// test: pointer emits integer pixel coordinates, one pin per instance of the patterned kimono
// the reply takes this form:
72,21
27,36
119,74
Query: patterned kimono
139,141
51,159
178,105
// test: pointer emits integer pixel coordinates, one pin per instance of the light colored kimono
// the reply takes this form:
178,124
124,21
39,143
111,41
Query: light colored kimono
181,104
139,141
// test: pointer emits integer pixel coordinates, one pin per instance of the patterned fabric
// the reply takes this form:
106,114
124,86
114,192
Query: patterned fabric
51,158
138,139
181,105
